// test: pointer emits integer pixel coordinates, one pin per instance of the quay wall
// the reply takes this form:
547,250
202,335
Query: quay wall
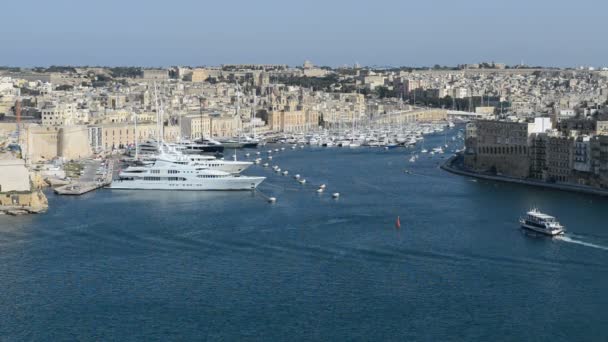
450,167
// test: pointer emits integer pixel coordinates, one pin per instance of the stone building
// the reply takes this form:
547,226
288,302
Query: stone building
59,114
559,159
112,136
195,126
20,190
499,147
45,143
292,121
155,74
538,156
197,75
601,159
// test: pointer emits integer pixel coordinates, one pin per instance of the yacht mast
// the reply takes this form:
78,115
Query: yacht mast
238,107
253,113
136,138
157,113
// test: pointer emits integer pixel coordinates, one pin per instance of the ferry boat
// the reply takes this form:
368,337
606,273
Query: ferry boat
541,223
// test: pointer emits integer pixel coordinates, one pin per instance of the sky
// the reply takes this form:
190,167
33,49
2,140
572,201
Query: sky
327,32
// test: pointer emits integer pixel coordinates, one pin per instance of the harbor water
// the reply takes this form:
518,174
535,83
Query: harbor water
226,266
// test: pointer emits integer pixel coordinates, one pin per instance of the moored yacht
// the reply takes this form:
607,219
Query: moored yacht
167,175
200,146
541,223
209,162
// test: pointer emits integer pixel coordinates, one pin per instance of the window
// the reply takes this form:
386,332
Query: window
173,171
155,171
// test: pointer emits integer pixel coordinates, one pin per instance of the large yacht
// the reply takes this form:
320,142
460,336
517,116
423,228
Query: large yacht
541,223
200,146
240,142
169,175
147,147
209,162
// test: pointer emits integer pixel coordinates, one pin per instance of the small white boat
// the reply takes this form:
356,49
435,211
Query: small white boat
285,173
302,181
335,195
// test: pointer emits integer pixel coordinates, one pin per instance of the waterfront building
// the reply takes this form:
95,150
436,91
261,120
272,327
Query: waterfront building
581,154
120,135
554,156
601,159
206,125
49,142
18,188
15,176
559,159
499,147
292,120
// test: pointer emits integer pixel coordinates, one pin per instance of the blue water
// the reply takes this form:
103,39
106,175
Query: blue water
157,265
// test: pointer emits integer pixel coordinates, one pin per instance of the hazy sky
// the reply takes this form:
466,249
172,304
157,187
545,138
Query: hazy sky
373,32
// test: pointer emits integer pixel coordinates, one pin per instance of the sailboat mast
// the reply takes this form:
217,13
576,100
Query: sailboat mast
253,113
157,113
136,138
238,108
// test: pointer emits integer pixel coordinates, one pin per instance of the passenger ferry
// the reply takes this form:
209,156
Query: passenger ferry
541,223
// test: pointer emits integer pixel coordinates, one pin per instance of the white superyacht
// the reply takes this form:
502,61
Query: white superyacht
210,162
171,154
169,175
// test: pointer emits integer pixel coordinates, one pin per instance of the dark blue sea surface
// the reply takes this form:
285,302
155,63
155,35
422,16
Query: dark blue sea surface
226,266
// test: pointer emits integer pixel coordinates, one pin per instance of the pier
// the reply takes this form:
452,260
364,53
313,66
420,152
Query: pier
88,181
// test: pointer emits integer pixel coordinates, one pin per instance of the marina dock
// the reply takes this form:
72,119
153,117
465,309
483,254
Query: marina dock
87,182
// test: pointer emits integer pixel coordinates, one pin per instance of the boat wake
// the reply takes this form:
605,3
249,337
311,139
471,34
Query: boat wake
579,242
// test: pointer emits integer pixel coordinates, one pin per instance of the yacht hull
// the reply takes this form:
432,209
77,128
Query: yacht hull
234,184
211,149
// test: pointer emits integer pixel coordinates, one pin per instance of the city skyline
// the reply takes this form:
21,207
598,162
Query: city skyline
390,34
